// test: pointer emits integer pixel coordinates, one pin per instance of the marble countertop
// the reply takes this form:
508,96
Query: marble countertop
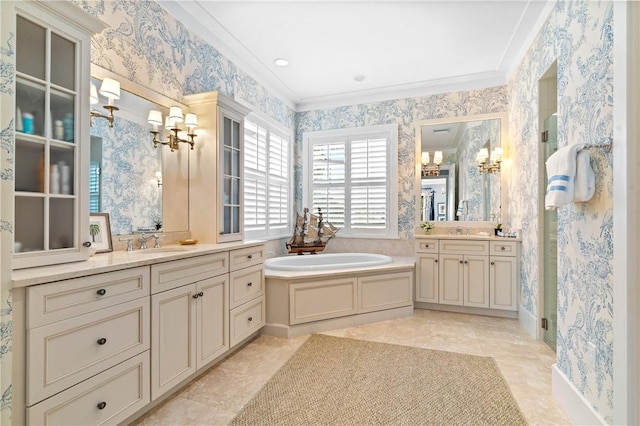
117,260
472,236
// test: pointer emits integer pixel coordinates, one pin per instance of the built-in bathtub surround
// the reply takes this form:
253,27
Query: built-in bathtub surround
306,296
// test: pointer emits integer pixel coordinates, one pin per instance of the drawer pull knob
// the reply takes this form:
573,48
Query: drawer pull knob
249,284
101,405
101,292
250,256
426,245
250,319
493,263
102,341
503,248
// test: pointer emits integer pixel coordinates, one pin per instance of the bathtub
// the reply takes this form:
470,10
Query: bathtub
315,293
323,262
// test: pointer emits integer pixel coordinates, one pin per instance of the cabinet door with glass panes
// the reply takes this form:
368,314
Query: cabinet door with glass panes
51,138
231,142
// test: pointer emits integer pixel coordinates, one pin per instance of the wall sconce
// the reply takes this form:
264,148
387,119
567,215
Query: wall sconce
171,124
489,165
110,88
159,178
431,169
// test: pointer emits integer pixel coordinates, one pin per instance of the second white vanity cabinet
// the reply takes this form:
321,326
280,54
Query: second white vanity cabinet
467,274
189,316
464,273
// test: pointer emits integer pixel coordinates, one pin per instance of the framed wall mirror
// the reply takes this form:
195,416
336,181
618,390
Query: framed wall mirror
456,182
141,187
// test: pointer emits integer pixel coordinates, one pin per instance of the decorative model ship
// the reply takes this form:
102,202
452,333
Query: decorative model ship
310,233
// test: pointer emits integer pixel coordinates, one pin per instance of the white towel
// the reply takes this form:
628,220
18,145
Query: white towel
585,183
462,208
561,172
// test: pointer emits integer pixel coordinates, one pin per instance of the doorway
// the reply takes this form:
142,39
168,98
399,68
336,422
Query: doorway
548,222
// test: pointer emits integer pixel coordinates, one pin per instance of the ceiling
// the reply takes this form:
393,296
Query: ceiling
402,48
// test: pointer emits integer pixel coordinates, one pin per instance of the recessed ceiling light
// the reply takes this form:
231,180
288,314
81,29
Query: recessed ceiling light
359,77
281,62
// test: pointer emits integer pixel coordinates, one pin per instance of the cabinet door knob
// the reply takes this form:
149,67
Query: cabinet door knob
201,294
87,244
466,262
250,319
435,260
101,341
250,256
101,292
101,405
249,284
493,263
461,262
196,295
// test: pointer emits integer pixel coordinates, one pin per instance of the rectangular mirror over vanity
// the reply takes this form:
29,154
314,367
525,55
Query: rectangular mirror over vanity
453,183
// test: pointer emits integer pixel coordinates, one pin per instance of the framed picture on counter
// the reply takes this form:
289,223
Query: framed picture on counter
100,232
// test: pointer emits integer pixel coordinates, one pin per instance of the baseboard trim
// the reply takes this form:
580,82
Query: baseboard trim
289,331
466,310
571,401
529,322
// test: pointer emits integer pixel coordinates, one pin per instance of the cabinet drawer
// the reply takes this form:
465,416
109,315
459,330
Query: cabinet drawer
243,258
426,246
463,247
61,300
246,319
120,391
504,248
64,353
168,275
246,284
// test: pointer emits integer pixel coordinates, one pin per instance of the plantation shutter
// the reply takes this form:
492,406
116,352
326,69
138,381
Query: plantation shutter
267,197
328,181
255,182
368,184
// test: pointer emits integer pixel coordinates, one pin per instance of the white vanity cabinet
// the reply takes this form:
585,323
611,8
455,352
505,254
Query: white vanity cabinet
503,275
52,132
464,273
218,157
87,345
427,271
189,317
467,274
247,301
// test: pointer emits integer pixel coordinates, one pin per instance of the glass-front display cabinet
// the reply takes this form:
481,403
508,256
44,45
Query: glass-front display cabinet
51,132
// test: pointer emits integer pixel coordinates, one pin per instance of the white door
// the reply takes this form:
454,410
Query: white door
427,286
450,279
213,319
476,281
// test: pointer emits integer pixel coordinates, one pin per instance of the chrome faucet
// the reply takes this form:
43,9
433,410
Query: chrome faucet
143,240
129,243
459,230
157,237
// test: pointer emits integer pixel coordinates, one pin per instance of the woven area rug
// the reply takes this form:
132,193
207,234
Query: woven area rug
338,381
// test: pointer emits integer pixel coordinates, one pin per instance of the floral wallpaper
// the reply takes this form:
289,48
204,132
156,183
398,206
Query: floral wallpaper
404,112
579,35
7,105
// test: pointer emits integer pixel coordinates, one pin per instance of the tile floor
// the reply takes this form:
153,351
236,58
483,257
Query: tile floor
216,397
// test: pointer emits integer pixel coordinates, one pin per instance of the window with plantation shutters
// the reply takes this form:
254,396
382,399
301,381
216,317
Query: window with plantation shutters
267,194
351,175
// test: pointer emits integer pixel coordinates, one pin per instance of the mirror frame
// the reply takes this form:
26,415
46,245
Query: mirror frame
504,167
176,164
